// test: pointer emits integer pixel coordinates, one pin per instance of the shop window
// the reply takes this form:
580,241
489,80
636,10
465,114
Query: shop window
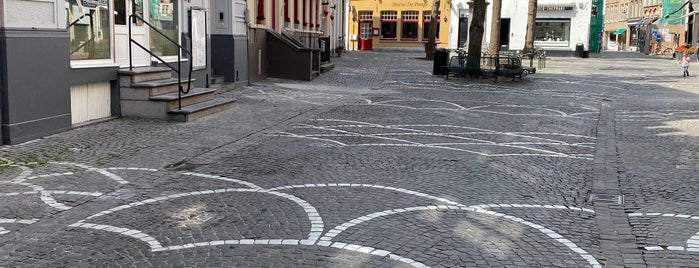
366,16
426,18
89,30
409,20
164,16
552,32
389,21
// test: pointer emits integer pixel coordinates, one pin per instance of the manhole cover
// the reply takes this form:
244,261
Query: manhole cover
607,199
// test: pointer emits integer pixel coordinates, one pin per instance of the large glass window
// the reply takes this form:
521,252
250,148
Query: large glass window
89,29
409,21
426,18
552,32
164,15
389,21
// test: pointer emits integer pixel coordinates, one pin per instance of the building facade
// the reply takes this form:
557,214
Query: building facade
647,26
560,25
394,24
60,59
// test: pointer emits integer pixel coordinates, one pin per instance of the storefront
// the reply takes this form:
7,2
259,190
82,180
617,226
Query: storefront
560,25
65,56
394,24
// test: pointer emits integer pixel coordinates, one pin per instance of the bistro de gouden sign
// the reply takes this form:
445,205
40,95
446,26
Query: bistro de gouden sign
410,4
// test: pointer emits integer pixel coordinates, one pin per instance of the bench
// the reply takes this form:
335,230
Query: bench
490,66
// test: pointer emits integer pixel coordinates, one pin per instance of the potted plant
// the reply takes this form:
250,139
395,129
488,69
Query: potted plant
679,50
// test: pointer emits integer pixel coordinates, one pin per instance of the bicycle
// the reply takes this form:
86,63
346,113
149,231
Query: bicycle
663,50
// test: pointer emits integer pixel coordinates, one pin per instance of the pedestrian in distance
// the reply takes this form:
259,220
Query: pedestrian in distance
696,50
685,64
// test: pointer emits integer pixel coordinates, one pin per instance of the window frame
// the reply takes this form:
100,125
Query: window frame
426,19
410,17
388,17
89,63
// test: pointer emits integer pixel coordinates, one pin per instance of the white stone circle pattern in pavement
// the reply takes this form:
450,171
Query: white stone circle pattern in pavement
692,243
484,107
329,130
316,235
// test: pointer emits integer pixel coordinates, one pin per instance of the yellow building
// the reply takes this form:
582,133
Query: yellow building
394,24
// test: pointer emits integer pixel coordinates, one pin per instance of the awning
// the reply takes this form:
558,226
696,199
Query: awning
620,31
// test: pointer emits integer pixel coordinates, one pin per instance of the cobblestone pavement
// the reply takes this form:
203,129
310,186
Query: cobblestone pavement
378,163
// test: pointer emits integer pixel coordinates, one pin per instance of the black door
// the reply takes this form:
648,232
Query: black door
463,31
504,34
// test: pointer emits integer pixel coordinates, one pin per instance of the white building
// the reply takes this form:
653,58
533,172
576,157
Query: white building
560,24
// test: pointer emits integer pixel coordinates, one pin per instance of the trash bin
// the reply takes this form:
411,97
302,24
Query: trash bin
586,54
579,48
324,44
441,59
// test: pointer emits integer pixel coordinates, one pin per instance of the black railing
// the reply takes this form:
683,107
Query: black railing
180,91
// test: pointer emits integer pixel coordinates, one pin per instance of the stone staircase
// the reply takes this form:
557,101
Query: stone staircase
151,92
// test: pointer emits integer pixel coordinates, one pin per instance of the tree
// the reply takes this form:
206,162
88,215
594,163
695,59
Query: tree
432,34
495,27
531,19
475,33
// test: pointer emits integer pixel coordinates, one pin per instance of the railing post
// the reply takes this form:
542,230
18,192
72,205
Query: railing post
179,79
130,56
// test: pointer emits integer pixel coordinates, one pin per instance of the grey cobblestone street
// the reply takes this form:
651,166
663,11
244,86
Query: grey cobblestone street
378,163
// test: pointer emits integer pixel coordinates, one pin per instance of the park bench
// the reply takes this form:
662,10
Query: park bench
496,65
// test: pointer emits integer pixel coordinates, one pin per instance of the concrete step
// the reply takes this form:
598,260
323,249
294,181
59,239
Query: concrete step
192,112
195,95
215,79
161,86
142,74
326,67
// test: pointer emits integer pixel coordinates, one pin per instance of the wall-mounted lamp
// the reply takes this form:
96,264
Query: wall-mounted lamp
333,6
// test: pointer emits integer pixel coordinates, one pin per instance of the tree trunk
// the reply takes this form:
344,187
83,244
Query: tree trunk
531,19
495,27
432,33
475,33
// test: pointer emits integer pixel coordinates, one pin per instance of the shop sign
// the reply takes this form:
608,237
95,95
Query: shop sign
409,4
555,8
93,3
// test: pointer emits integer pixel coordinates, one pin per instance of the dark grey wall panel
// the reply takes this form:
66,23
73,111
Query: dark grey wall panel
36,92
93,75
230,58
258,50
241,60
223,56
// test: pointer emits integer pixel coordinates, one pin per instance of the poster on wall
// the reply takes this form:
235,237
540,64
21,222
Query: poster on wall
198,33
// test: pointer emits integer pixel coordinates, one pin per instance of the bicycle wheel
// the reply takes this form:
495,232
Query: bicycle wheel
667,51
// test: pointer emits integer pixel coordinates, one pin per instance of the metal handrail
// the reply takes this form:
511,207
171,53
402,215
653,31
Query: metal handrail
180,91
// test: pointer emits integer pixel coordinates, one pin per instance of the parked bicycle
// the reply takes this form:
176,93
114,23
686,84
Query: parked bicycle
663,50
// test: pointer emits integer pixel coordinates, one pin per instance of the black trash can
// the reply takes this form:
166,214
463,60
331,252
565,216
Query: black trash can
441,59
579,49
324,44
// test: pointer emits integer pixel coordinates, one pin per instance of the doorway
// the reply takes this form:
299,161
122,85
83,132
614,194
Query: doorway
504,34
139,31
365,37
463,31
